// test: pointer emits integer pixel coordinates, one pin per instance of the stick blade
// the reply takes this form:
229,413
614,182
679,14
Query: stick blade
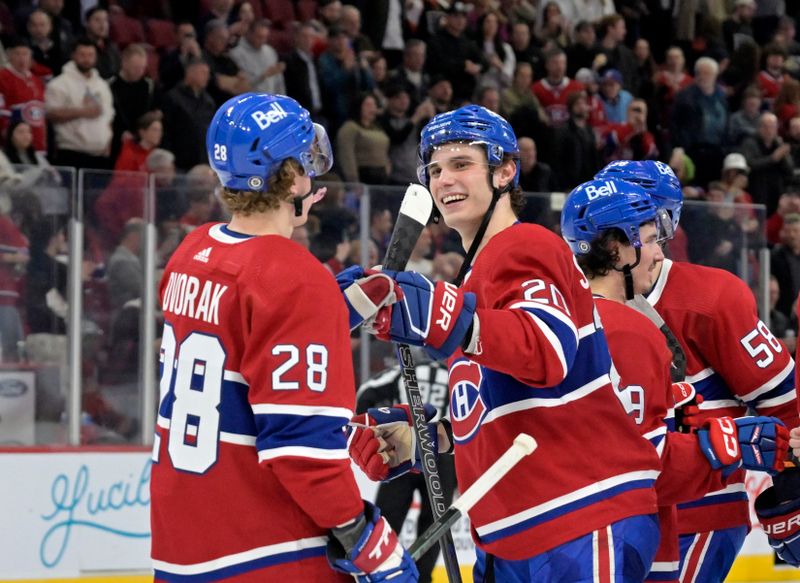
415,210
417,203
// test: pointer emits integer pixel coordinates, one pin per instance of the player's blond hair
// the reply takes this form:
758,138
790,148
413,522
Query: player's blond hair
279,185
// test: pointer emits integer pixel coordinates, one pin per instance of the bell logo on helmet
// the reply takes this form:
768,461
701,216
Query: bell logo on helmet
595,192
664,169
264,119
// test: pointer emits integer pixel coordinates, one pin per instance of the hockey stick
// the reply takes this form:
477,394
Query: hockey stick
415,210
678,368
523,445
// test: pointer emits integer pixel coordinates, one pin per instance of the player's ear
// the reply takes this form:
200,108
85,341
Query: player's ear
504,174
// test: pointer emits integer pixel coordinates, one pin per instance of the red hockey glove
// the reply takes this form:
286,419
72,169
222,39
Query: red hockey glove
687,407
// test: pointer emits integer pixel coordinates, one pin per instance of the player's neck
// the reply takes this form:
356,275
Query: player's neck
611,286
277,222
502,218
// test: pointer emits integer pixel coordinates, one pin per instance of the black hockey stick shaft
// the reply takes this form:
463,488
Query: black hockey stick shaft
523,445
404,237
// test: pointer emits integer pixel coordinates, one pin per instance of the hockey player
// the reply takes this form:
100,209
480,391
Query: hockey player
734,362
251,480
525,354
615,231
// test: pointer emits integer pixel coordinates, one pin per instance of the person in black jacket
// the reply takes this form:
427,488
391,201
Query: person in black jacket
578,158
302,74
188,111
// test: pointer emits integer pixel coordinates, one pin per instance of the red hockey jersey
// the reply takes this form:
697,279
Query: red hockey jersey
554,98
23,95
250,464
641,373
733,360
542,367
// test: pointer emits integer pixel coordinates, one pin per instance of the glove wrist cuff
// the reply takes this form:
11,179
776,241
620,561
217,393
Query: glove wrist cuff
472,338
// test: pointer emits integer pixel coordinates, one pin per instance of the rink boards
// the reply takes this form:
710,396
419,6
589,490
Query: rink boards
83,515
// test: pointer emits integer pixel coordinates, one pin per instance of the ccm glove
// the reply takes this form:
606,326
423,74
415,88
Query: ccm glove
383,443
687,407
753,443
438,316
368,549
366,293
778,510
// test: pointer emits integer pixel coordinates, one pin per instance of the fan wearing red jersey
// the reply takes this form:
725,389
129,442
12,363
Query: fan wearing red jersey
251,479
735,364
526,353
615,231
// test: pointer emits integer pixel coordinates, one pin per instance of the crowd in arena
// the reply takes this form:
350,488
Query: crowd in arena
711,88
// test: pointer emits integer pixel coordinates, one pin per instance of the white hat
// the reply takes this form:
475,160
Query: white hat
735,161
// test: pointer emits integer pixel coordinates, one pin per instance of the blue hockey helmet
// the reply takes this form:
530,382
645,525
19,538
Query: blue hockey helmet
471,124
599,205
253,133
656,178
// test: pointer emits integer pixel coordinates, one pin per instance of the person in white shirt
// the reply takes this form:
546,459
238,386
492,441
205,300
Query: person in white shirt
80,106
259,61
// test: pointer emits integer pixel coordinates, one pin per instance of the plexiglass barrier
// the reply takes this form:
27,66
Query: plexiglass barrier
83,253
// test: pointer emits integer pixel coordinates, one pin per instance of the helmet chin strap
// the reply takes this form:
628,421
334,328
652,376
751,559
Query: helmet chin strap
627,271
297,201
473,248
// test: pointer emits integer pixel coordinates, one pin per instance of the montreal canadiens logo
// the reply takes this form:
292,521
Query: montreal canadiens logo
467,409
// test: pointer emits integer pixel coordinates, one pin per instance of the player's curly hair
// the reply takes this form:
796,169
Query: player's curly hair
515,194
279,184
601,258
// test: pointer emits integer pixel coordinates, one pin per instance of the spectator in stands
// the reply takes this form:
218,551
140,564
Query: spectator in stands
793,139
125,272
717,239
259,61
80,106
553,28
149,132
788,204
612,31
61,32
440,93
520,94
779,323
744,123
350,22
643,85
577,159
738,28
227,80
302,74
615,99
46,281
380,227
553,91
379,72
239,21
403,128
671,79
97,29
499,55
411,72
770,162
597,111
582,53
19,147
134,95
734,178
342,79
524,47
457,57
787,103
171,66
201,206
386,24
632,140
188,110
785,263
23,92
700,118
772,75
47,54
220,10
534,176
362,147
488,97
13,259
329,12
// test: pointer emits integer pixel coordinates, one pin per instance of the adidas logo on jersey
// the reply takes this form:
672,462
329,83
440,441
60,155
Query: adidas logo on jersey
203,255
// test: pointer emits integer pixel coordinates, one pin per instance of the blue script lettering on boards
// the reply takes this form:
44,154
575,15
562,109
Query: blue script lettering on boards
79,503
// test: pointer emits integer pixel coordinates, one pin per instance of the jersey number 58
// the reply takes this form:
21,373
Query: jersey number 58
758,342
